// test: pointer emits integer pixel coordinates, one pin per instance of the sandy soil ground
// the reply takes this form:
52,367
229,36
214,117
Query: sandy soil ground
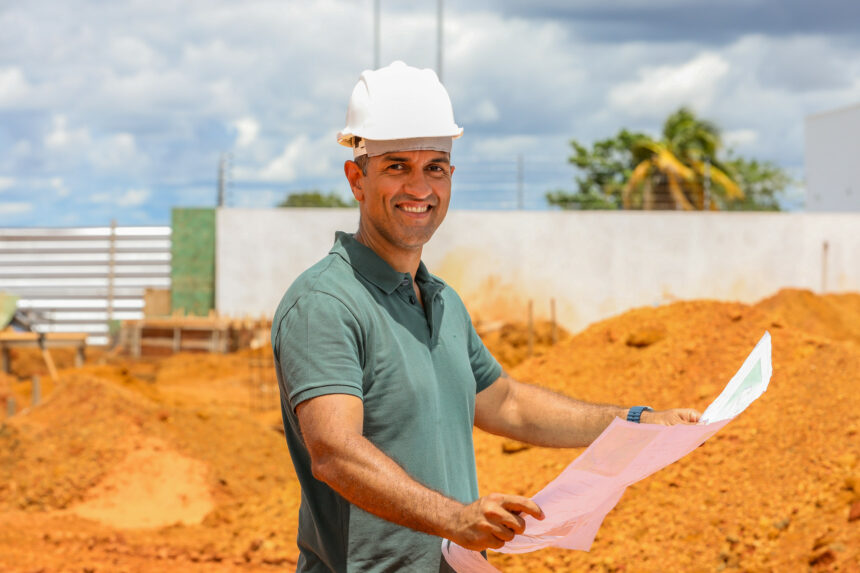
179,463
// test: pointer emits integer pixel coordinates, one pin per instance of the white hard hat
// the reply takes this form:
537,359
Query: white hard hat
398,102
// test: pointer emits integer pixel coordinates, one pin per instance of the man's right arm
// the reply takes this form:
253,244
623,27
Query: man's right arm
366,477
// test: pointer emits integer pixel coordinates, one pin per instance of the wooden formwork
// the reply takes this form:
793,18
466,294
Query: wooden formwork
46,341
173,334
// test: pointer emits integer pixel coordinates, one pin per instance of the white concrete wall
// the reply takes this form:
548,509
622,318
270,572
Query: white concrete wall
595,264
832,157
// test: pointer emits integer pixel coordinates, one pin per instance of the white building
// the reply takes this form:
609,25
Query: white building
832,154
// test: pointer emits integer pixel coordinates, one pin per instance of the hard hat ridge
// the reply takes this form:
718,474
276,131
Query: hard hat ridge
398,102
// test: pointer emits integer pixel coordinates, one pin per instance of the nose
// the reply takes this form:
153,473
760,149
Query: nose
418,185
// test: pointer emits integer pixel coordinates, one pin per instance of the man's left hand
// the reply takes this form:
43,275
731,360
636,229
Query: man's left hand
671,417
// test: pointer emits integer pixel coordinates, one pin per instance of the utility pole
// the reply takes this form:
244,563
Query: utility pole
706,200
520,178
439,38
111,270
376,43
221,179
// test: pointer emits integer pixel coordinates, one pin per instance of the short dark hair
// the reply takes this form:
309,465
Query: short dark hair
362,161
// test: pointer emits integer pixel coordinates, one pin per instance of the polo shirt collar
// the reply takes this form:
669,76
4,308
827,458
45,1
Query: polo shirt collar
367,263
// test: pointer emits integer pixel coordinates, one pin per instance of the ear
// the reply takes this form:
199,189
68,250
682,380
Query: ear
355,177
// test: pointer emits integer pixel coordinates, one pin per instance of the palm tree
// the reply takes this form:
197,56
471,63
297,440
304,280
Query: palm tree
680,168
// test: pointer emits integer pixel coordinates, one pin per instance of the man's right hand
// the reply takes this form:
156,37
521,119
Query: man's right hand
491,521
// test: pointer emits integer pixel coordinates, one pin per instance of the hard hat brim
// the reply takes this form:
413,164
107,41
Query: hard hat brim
347,138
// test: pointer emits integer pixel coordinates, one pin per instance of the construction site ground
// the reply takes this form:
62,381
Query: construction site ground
160,464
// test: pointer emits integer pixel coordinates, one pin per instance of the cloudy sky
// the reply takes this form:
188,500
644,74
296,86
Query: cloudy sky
120,110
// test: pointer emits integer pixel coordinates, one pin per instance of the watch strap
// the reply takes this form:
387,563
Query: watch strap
635,413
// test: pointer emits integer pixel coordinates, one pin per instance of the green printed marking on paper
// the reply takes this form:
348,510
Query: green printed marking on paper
751,381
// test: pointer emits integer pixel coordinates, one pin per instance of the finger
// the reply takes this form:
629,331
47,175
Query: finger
499,531
510,520
495,536
522,504
689,415
519,523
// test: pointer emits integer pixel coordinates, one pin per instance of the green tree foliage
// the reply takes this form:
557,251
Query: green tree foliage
582,200
316,199
762,182
681,170
604,171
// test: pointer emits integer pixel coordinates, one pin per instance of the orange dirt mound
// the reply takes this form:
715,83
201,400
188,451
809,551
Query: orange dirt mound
153,486
72,453
509,342
835,316
773,491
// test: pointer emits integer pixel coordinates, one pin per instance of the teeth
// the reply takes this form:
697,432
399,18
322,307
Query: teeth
420,209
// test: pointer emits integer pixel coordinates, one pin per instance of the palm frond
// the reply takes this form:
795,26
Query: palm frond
678,194
641,174
720,177
668,163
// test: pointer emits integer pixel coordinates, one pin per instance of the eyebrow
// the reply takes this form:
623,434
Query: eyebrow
401,159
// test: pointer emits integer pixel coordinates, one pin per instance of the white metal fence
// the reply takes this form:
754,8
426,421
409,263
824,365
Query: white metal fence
79,279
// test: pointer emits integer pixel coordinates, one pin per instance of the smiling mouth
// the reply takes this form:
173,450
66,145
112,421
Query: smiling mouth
415,208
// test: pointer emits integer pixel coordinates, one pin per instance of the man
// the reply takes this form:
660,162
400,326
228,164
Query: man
382,375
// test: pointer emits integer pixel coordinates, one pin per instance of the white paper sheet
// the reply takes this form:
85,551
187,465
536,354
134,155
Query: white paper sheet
576,502
748,383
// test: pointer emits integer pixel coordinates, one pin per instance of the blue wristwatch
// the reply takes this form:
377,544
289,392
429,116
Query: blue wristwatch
635,413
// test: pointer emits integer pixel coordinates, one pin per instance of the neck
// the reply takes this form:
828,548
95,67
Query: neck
401,260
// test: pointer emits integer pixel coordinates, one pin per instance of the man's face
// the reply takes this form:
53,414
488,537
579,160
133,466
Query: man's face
404,196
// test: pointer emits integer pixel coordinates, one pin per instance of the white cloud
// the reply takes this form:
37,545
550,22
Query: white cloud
485,111
6,183
151,92
130,52
15,208
133,198
740,137
248,129
59,186
154,90
14,87
61,136
285,166
101,198
532,82
128,198
301,157
260,198
117,152
21,149
661,89
506,146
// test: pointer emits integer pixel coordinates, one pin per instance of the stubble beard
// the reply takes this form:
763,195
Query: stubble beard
403,238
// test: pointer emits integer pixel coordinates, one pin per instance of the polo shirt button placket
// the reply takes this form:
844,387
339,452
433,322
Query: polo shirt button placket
405,283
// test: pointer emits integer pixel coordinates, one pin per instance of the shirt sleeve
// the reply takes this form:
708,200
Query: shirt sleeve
485,368
319,350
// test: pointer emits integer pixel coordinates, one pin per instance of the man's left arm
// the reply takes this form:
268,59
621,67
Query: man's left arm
542,417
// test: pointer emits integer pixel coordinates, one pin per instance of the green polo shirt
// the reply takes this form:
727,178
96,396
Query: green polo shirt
351,325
